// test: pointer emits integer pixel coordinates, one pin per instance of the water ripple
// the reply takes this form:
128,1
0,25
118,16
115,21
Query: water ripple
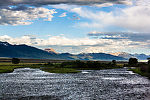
34,84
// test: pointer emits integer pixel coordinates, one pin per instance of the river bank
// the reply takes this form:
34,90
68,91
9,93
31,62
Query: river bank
64,67
138,71
8,68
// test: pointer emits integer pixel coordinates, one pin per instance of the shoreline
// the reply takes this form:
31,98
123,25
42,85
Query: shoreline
138,71
54,68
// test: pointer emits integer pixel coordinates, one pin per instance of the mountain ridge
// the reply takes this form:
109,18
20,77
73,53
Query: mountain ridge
25,51
128,55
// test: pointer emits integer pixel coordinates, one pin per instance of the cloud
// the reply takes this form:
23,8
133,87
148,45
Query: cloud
19,12
78,45
127,18
133,18
63,14
104,5
24,16
142,2
121,35
48,2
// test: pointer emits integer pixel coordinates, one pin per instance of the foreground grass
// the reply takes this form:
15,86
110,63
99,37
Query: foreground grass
60,70
8,67
57,67
138,71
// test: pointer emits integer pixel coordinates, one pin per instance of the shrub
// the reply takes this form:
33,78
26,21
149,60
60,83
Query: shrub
143,68
15,61
133,62
148,68
114,62
49,63
79,64
149,62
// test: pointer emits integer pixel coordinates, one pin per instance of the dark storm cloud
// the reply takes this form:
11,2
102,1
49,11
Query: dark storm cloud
47,2
121,35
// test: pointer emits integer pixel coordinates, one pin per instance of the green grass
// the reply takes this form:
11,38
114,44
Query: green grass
120,65
97,68
60,70
8,67
54,68
138,71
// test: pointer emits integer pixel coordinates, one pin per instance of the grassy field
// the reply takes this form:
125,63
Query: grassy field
64,67
8,67
60,70
138,71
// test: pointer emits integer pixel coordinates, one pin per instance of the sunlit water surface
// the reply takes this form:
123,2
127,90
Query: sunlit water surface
34,84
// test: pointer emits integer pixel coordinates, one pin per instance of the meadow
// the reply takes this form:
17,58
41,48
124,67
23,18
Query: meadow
64,67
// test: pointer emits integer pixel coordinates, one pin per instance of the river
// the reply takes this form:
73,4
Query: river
112,84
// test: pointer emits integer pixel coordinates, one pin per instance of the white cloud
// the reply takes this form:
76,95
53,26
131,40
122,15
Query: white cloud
132,18
121,35
25,16
79,44
63,14
135,18
142,2
104,5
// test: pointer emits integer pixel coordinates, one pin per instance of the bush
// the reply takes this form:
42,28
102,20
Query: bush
133,62
49,63
15,61
148,68
143,67
88,64
114,62
149,62
79,64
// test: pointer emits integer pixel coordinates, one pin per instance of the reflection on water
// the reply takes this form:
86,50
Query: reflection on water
34,84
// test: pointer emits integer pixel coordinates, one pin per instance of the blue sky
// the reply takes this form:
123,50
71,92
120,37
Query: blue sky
65,27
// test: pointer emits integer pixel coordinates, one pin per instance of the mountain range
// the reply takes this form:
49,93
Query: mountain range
25,51
127,55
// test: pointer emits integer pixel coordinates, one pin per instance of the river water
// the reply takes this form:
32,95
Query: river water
112,84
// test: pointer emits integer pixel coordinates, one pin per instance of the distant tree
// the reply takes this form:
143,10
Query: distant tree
143,67
15,61
79,64
148,60
148,68
49,63
133,61
148,64
114,62
89,64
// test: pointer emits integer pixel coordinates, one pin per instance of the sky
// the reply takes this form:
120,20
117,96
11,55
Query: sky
77,26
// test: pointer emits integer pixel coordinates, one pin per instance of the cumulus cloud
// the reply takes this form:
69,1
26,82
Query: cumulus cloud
63,14
133,18
24,16
121,35
79,45
142,2
103,5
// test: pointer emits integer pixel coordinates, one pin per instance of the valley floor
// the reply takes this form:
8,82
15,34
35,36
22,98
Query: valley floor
54,67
